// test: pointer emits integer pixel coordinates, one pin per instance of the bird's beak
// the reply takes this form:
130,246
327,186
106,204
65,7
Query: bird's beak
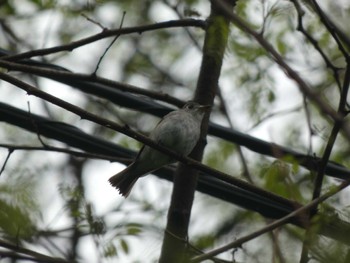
204,107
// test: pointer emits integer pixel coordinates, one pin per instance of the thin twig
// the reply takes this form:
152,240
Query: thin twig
308,122
314,42
36,127
190,35
273,114
94,22
331,27
11,148
110,45
241,156
165,74
10,151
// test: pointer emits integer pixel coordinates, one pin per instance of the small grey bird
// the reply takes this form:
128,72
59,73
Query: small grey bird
179,130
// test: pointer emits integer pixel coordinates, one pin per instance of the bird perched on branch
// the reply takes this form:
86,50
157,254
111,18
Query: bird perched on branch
179,131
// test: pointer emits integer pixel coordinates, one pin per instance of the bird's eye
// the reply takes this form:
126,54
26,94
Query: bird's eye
190,106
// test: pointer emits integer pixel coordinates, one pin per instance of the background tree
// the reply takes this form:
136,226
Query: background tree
81,80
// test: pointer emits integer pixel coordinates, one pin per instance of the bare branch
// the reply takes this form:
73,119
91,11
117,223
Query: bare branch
11,148
110,45
10,151
34,256
314,42
94,22
332,29
108,33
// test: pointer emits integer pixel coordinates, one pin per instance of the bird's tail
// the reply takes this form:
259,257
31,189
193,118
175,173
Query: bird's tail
124,181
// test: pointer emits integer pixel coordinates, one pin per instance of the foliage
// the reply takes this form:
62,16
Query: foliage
19,208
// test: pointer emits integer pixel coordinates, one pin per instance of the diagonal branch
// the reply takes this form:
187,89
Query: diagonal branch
35,256
273,225
313,41
332,29
10,151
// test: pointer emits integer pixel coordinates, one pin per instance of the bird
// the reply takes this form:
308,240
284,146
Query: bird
179,131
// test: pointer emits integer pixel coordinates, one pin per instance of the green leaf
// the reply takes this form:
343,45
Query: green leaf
134,229
15,224
109,250
278,180
205,241
124,246
18,207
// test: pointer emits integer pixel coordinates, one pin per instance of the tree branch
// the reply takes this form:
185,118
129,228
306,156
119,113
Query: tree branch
34,256
11,148
273,225
315,44
108,33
